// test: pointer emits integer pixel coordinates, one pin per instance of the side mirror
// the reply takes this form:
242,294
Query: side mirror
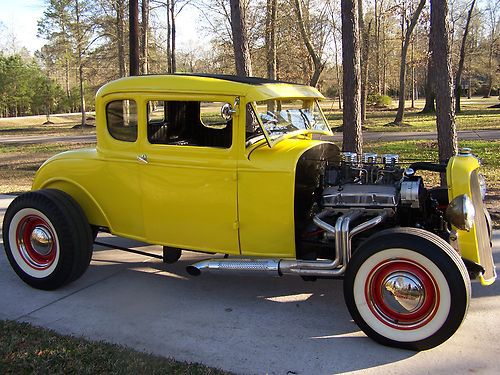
227,111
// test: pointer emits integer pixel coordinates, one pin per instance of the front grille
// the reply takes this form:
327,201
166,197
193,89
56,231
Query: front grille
482,234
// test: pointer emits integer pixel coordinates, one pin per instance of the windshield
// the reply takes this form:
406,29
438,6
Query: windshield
280,117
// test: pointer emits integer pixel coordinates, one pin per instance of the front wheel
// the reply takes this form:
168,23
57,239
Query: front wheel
407,288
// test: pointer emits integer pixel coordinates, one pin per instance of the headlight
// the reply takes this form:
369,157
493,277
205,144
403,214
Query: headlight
461,212
482,185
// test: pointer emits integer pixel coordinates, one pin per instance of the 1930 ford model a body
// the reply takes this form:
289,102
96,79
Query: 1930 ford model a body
219,164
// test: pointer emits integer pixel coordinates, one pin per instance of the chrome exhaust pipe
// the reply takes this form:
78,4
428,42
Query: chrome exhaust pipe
280,267
242,265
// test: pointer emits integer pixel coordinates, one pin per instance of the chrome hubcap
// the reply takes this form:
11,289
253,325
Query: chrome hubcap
403,292
41,240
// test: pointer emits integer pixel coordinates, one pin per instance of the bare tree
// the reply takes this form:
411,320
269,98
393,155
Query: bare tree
240,40
351,77
493,22
144,36
271,6
134,37
173,33
445,115
402,69
430,92
460,67
120,34
79,47
316,58
365,48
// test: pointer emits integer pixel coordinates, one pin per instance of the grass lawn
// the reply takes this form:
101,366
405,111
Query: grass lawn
25,349
18,163
62,124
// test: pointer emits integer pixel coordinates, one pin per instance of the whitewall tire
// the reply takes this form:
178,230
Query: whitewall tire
407,288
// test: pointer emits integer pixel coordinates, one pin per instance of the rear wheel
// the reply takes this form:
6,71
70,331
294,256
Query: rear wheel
47,238
407,288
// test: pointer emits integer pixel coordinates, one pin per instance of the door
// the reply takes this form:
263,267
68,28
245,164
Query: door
188,176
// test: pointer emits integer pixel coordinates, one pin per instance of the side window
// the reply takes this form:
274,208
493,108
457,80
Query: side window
188,123
121,117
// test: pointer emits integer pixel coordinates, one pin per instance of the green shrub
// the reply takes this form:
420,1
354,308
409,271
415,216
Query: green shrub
378,100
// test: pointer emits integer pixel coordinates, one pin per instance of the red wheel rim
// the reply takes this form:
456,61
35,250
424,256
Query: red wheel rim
36,242
402,294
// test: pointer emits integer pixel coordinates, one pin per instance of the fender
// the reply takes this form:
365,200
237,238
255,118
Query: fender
95,214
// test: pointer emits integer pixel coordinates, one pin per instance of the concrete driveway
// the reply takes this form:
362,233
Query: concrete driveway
238,323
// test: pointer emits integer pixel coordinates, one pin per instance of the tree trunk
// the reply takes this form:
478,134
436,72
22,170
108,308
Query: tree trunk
377,44
169,38
413,87
402,68
145,41
134,37
352,140
316,59
490,72
337,72
445,116
68,91
365,42
240,41
173,36
430,95
271,38
458,75
469,91
80,64
120,33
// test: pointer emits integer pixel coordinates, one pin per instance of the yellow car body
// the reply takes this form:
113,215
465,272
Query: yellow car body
198,198
201,198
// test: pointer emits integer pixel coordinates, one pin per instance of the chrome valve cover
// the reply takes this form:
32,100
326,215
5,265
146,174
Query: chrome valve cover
357,195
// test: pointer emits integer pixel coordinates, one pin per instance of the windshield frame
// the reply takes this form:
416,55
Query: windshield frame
273,140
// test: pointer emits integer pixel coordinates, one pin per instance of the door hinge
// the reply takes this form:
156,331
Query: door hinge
236,225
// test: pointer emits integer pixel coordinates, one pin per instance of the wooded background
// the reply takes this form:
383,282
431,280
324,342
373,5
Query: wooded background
291,40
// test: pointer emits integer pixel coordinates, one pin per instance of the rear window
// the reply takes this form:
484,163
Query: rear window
121,117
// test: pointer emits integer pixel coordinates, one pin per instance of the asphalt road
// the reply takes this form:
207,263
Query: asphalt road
248,325
371,136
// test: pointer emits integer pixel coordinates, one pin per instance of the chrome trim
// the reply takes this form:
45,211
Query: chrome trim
403,291
244,265
409,193
41,240
142,158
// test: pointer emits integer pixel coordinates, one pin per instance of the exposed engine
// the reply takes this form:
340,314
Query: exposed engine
331,185
373,182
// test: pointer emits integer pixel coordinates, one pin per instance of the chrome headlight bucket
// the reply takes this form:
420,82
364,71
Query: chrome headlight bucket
461,212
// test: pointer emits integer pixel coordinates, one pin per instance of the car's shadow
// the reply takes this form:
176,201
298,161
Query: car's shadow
298,321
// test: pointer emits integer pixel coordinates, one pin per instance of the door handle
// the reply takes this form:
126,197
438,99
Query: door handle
143,158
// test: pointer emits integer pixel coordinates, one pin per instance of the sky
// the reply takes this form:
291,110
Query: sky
19,18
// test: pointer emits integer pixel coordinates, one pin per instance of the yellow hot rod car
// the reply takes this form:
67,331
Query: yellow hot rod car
220,164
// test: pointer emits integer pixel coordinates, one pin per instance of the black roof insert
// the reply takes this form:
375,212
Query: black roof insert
227,77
